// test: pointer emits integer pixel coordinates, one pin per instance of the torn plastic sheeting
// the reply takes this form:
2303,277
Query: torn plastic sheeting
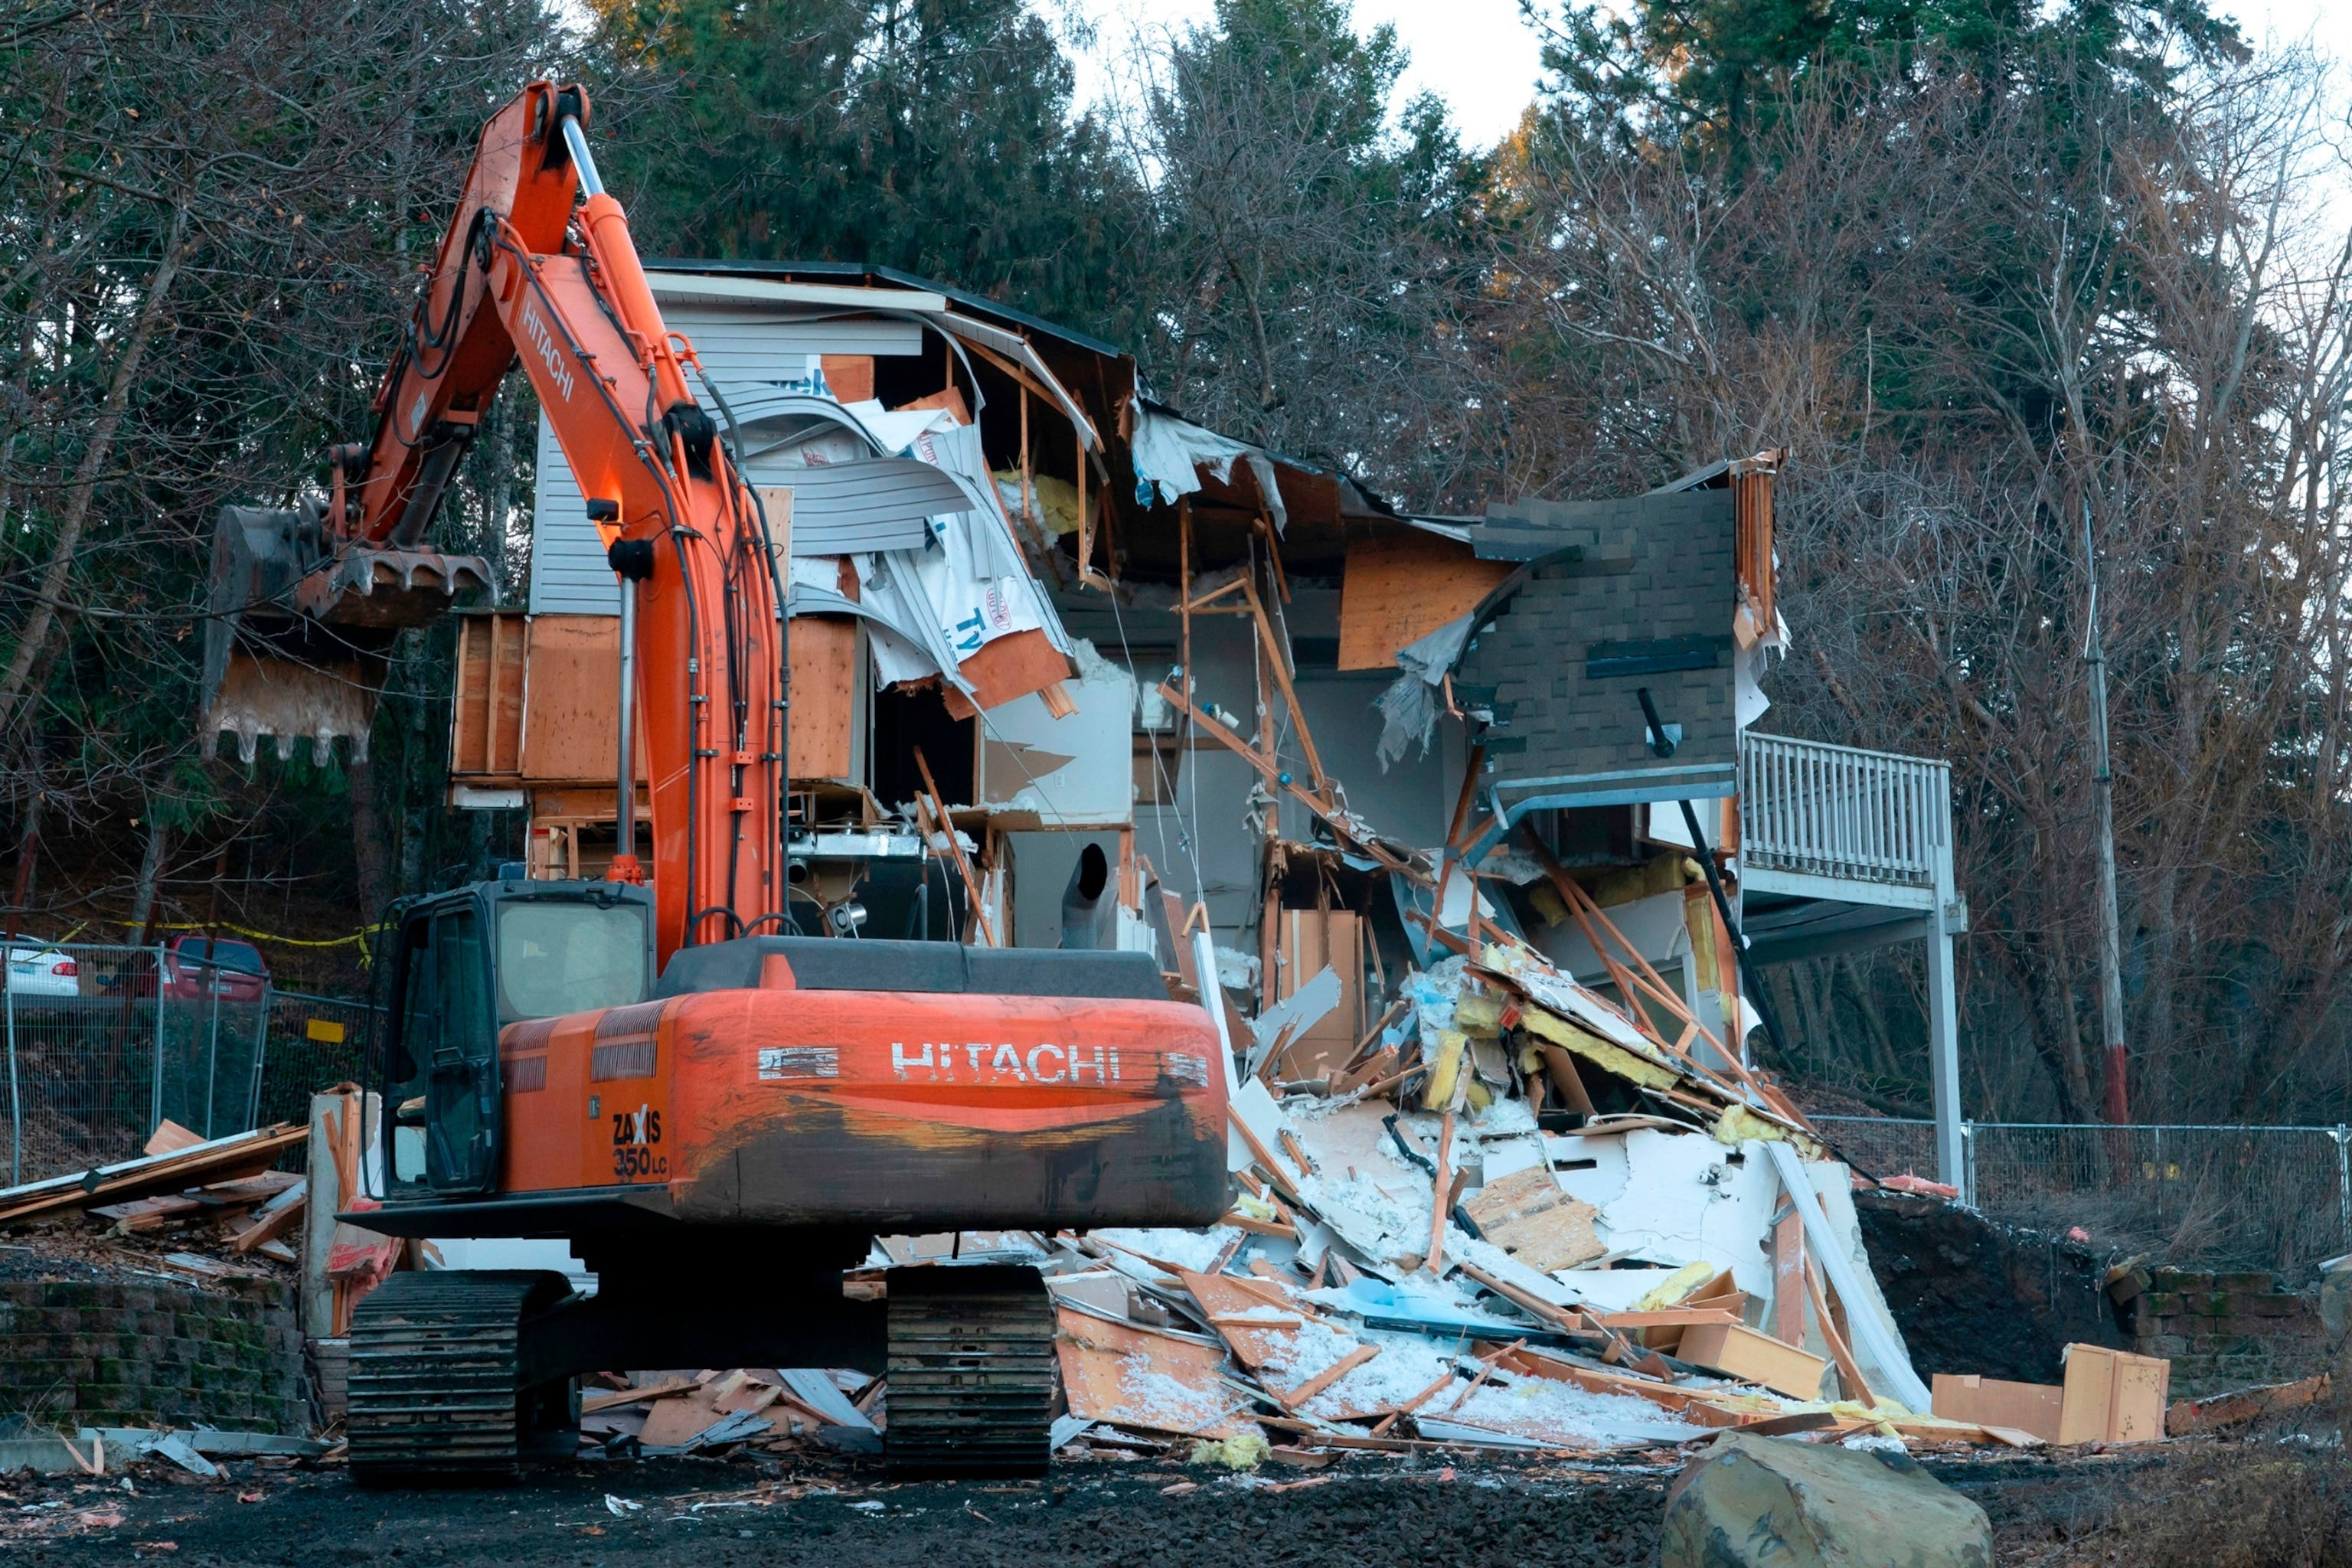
1408,705
1166,451
1406,1309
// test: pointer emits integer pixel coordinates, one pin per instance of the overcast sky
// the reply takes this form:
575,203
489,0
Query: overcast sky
1484,61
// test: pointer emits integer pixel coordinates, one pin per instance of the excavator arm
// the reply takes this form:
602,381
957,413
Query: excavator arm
538,266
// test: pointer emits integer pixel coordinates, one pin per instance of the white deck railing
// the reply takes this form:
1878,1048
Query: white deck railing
1833,811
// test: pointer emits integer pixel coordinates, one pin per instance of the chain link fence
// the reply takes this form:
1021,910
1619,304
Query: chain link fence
103,1042
2275,1198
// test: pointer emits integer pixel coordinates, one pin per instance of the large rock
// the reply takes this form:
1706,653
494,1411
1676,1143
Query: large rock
1750,1502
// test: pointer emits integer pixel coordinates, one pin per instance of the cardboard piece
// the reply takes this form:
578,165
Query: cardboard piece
2109,1396
1135,1378
1311,940
2113,1396
1990,1402
1741,1352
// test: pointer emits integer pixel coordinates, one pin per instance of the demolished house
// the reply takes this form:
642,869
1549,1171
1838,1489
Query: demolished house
1459,824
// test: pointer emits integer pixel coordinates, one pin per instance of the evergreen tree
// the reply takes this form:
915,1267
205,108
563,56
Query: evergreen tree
930,135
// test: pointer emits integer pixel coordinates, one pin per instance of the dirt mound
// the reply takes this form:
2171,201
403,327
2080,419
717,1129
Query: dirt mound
1973,1296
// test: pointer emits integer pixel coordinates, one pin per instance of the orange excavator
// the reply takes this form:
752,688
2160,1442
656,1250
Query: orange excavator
718,1114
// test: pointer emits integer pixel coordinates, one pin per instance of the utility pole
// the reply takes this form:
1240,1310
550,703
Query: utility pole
2102,843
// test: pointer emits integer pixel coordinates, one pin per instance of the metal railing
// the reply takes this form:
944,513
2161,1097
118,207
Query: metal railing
1834,811
101,1043
2276,1198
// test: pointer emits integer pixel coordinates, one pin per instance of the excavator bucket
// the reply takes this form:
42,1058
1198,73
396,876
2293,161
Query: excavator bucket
301,627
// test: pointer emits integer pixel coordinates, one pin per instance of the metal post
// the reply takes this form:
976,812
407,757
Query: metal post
1968,1163
2103,846
1943,1035
260,1046
155,1117
625,819
16,1101
212,1043
2344,1183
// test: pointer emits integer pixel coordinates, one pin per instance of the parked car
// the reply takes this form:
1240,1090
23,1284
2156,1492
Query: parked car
195,967
43,972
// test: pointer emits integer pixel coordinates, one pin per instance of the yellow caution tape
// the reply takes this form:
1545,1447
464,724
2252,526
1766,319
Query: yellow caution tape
245,931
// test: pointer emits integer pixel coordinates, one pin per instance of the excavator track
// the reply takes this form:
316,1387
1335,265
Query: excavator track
436,1390
971,1370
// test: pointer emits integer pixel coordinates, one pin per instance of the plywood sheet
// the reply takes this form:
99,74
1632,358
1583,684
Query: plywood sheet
824,697
573,699
2113,1396
1528,1216
1293,1351
849,377
2032,1407
1398,591
486,716
1743,1353
1311,939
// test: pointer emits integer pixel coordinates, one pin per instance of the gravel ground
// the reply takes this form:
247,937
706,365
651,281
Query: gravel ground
1493,1513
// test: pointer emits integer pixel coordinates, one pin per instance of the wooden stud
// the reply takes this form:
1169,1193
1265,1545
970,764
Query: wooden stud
1849,1370
1789,1282
1437,1192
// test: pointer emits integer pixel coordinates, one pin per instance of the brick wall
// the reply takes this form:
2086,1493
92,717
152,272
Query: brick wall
148,1353
1657,569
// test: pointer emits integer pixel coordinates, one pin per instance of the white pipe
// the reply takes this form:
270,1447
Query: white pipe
1861,1312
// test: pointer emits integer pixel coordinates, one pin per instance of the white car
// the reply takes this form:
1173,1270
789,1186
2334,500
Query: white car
43,972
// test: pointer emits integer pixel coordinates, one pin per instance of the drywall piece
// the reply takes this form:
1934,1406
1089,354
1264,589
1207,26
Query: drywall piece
1656,927
1688,1199
1296,1013
514,1252
1876,1344
1253,1106
1594,1169
1077,771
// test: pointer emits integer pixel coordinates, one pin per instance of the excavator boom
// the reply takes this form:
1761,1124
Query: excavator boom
528,273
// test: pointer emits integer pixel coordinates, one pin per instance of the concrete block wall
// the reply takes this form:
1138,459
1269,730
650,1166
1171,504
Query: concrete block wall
2220,1329
145,1353
1683,583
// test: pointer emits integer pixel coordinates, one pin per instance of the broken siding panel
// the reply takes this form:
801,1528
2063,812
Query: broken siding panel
745,351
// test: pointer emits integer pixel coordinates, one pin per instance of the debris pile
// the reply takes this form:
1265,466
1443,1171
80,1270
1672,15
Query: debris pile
1420,1253
194,1208
661,1414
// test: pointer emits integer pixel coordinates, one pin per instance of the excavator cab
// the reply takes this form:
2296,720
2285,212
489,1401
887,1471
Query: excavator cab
466,963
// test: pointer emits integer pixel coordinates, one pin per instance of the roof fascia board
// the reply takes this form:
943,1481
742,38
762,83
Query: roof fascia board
767,292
